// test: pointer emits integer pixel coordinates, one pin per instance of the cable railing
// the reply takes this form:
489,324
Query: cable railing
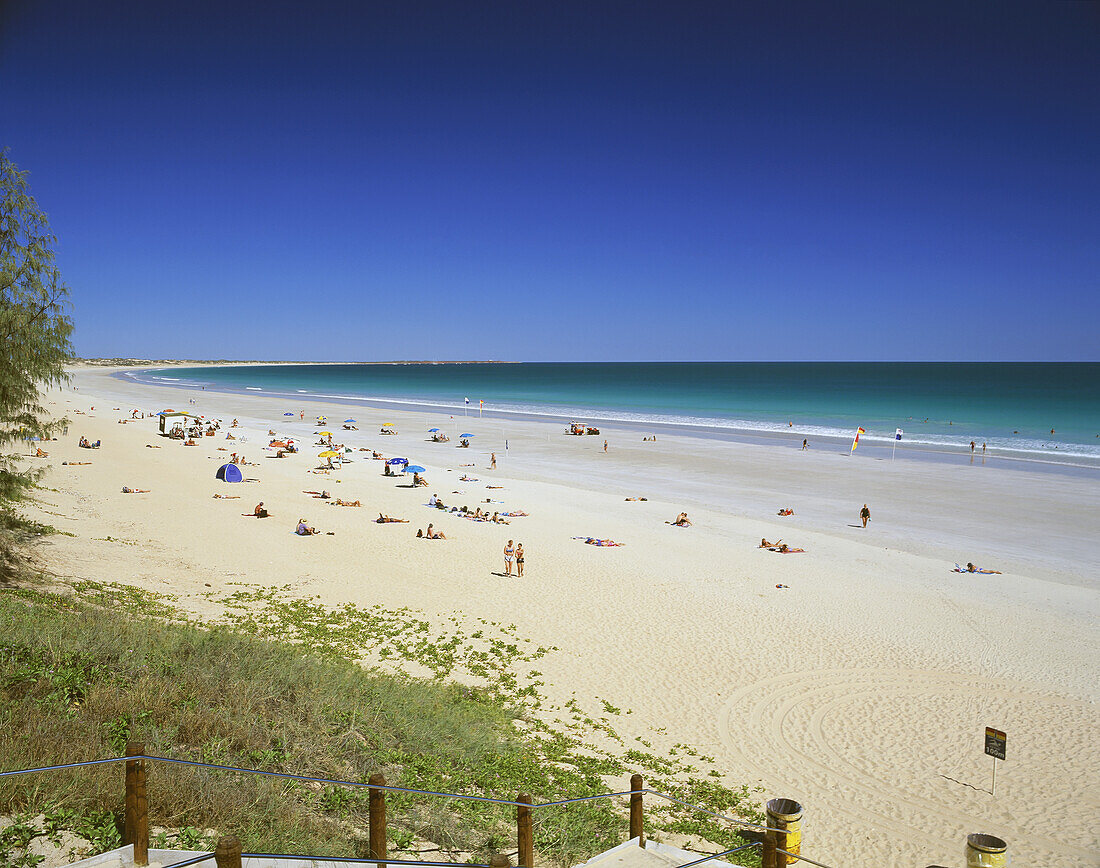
780,841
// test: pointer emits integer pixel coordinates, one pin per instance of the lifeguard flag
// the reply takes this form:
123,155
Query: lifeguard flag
855,442
898,433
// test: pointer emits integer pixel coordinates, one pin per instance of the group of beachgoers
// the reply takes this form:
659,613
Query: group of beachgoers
513,553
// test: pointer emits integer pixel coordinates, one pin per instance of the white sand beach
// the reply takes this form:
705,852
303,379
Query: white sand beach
857,677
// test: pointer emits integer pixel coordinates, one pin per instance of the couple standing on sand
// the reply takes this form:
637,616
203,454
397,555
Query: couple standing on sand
516,552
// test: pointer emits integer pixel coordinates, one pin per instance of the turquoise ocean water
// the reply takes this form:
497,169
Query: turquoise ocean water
1010,406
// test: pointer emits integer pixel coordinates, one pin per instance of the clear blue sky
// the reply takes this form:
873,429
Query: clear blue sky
566,180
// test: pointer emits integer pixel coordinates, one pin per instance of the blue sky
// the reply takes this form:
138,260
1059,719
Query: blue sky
544,181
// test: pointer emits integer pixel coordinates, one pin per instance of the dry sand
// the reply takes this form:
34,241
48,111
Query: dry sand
862,689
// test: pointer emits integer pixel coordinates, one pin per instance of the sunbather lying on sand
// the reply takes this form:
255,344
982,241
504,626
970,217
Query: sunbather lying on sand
385,519
227,497
72,463
515,513
785,549
786,511
636,498
764,544
970,568
593,541
465,478
39,453
339,502
126,490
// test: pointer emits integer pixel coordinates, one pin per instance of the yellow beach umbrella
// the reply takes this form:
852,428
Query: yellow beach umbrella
328,453
387,424
325,433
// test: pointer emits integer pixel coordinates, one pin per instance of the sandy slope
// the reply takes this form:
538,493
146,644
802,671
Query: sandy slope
862,689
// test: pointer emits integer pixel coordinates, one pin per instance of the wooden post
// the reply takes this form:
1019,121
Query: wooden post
377,820
227,854
136,825
637,830
767,858
499,860
781,859
525,836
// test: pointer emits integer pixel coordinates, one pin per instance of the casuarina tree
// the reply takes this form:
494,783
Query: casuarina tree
34,336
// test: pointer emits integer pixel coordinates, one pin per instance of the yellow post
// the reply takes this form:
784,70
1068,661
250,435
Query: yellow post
985,851
786,815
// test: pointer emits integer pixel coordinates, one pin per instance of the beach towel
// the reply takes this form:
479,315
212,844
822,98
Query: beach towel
959,569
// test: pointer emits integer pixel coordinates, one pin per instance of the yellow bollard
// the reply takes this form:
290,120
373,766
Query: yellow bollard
985,851
786,814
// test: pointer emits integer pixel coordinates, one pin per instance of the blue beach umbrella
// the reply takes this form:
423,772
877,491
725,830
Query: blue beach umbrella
433,430
398,461
414,468
348,421
288,414
465,436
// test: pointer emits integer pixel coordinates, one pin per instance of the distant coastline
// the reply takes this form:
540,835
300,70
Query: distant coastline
241,363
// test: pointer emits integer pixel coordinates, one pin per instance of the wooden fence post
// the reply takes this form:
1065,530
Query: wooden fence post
227,854
377,819
767,858
637,829
781,844
136,825
525,836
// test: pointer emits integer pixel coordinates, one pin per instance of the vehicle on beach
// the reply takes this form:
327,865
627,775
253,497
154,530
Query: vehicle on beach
579,430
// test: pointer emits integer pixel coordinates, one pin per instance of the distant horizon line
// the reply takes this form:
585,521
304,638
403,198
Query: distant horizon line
121,361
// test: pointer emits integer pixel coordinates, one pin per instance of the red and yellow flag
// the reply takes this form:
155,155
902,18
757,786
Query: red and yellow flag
855,442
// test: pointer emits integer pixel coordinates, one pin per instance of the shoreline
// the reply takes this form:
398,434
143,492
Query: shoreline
870,445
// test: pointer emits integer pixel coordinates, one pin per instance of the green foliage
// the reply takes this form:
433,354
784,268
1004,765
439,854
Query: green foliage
81,675
34,336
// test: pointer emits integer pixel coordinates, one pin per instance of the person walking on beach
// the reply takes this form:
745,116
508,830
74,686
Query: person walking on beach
865,515
604,447
509,553
804,445
519,560
492,461
971,447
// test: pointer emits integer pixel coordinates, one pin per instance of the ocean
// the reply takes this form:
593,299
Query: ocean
1012,407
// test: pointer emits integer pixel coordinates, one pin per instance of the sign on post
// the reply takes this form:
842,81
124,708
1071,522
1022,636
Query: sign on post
995,741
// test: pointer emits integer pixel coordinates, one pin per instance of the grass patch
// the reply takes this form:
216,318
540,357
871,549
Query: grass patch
449,707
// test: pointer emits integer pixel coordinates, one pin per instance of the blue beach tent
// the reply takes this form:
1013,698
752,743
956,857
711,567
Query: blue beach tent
229,473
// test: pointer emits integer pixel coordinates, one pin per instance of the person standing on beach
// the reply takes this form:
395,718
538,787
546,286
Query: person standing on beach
805,445
492,461
865,515
605,447
519,560
971,447
509,552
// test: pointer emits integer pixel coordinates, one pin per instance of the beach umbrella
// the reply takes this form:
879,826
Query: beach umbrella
328,453
288,414
433,430
414,468
321,420
465,436
348,421
325,433
398,461
387,424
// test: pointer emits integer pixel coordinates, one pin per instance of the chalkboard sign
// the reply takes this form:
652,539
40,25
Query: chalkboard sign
995,742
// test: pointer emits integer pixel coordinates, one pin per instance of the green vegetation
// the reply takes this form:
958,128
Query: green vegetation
455,710
34,343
